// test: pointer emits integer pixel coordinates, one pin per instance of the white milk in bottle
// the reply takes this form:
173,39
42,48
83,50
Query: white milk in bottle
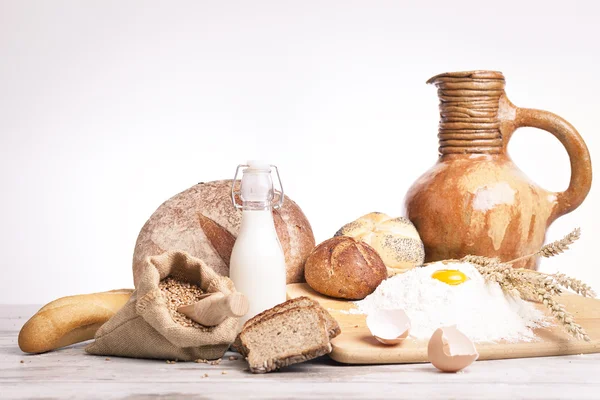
257,264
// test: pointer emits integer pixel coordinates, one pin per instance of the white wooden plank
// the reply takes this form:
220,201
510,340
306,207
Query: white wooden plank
72,373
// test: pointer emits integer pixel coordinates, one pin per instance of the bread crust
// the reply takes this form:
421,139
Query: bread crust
70,320
202,221
278,363
332,324
344,267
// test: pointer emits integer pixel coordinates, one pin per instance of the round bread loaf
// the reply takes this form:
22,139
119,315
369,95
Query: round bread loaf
203,222
344,267
396,240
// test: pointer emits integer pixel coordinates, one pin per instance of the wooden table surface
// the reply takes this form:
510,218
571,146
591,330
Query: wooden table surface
71,373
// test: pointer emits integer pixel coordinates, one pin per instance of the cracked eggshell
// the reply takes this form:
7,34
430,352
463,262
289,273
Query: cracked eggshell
389,326
450,350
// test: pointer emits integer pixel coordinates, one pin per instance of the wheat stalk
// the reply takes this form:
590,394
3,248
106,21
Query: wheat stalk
562,315
481,260
537,286
555,248
574,284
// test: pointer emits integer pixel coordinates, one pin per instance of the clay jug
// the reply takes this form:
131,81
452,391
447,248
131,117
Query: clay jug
475,200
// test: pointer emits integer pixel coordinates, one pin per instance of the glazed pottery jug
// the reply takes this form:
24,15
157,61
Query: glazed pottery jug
475,200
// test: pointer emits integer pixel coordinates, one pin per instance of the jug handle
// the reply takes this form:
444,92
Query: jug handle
579,156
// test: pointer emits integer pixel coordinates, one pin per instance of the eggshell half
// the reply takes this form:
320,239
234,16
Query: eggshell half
389,326
450,350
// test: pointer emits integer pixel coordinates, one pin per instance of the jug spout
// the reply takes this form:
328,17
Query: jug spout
465,76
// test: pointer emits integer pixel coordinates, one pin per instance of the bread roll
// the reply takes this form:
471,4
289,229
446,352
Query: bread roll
396,240
202,222
69,320
344,267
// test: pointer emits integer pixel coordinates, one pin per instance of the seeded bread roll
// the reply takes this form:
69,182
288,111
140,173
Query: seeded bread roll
396,240
344,267
70,320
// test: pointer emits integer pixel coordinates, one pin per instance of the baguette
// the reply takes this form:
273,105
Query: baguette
70,320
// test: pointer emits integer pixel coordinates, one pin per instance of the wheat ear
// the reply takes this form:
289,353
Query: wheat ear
555,248
574,284
562,315
559,246
537,286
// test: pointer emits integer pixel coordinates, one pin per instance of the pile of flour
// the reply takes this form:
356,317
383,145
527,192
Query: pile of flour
479,309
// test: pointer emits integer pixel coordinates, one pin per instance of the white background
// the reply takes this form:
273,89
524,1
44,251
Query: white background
109,108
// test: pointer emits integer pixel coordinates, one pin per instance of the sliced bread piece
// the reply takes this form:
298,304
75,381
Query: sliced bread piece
332,325
333,328
284,338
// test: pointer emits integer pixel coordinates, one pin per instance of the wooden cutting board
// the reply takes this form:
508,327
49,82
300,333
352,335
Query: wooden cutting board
355,345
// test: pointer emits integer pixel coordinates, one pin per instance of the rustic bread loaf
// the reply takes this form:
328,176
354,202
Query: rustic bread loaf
70,320
283,338
396,240
344,267
202,222
333,328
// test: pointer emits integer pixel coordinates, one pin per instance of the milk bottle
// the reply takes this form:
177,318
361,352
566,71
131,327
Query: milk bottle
257,264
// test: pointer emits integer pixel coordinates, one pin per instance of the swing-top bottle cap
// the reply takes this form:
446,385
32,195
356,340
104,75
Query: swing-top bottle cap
256,185
258,165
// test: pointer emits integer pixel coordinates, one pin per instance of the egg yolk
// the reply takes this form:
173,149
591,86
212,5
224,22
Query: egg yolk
450,276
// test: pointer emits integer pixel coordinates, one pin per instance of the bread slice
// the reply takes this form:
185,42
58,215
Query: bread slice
332,325
283,338
333,328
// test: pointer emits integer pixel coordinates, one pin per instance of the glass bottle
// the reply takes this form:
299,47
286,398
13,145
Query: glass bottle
257,265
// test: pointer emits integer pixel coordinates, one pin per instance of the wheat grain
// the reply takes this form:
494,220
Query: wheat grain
178,293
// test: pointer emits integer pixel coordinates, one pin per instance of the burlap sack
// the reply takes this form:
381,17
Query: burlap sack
144,328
